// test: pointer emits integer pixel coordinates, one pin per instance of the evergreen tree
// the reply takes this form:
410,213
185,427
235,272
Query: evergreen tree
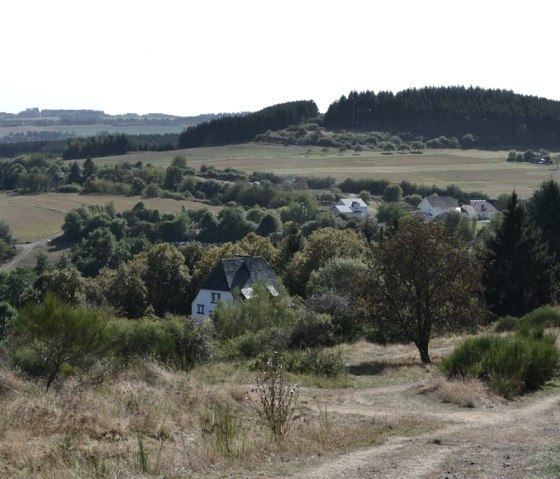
89,169
75,175
544,212
521,274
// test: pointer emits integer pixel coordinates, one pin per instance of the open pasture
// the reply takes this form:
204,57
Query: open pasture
471,170
36,217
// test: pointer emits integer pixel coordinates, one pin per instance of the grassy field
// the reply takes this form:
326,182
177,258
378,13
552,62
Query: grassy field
471,170
36,217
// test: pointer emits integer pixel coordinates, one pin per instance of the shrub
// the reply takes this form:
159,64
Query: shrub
312,330
54,335
316,362
506,323
545,316
69,188
510,365
175,340
251,344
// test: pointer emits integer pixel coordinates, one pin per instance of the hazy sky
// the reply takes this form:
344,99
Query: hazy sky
207,56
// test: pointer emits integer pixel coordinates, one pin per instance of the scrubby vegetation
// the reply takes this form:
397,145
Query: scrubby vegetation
511,365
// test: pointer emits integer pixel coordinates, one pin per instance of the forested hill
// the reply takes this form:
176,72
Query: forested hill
240,128
495,117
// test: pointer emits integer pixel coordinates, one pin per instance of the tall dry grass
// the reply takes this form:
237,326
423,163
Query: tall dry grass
151,421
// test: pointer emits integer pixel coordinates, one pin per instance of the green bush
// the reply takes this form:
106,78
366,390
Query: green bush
312,330
506,323
545,316
69,188
317,362
510,365
251,344
175,340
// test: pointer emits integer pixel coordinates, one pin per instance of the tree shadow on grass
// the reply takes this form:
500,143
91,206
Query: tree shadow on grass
372,368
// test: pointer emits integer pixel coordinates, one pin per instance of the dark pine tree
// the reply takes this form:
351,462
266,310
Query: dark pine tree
544,212
521,273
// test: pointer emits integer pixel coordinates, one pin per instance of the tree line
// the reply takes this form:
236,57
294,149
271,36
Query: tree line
241,128
494,117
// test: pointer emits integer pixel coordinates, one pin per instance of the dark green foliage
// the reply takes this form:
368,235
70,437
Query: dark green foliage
240,128
476,115
8,314
511,365
506,323
14,283
520,274
7,243
94,146
544,212
312,331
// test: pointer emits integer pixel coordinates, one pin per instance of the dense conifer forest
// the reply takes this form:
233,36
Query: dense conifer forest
497,118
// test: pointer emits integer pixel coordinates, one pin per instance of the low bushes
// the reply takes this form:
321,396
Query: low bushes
510,365
175,340
317,362
543,317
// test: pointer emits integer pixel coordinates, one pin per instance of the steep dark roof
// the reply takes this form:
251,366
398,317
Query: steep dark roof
239,272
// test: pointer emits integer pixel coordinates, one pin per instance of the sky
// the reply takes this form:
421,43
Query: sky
189,57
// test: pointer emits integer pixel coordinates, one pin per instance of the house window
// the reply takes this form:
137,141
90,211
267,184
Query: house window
216,297
199,309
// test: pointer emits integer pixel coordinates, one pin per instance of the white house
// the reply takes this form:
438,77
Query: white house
484,209
434,206
237,273
351,206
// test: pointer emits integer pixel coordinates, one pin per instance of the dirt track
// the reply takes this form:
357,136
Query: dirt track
505,440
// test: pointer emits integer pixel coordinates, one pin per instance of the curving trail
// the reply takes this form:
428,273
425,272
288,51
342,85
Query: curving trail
503,441
23,250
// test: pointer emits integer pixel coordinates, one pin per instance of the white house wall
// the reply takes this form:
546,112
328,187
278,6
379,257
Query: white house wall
204,297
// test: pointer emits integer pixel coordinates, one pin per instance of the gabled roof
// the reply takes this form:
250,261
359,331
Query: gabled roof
483,206
342,209
352,202
240,272
445,202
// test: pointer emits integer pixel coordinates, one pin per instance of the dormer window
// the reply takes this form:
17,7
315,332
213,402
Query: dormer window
216,297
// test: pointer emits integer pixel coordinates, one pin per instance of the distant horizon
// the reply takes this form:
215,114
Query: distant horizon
265,106
191,58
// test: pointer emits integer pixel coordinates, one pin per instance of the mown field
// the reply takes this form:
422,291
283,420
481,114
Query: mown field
36,217
471,170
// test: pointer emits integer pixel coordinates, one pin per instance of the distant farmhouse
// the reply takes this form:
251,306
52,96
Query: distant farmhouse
483,209
434,206
230,274
351,207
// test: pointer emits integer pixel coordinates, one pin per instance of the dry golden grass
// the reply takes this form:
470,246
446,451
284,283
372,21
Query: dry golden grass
468,393
152,421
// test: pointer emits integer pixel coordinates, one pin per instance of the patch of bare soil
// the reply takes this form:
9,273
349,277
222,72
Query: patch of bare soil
482,437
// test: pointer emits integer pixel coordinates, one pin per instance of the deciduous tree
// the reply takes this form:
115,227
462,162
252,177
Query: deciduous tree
428,283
